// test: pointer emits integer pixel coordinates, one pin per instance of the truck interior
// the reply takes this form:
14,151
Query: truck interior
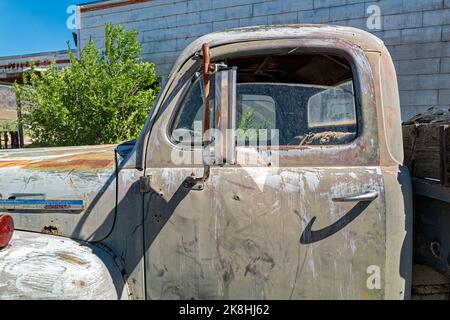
310,99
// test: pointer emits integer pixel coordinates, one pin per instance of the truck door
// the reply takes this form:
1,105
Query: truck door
305,222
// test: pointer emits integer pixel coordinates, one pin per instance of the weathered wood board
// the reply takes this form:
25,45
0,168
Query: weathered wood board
427,149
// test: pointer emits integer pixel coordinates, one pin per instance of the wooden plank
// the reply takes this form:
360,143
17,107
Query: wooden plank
431,189
447,157
426,148
409,133
443,133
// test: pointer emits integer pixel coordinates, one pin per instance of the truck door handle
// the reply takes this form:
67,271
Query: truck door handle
366,197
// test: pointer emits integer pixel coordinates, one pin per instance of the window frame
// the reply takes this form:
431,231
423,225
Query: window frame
184,96
342,123
187,86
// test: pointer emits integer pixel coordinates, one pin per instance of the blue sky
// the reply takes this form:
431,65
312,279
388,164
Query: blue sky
31,26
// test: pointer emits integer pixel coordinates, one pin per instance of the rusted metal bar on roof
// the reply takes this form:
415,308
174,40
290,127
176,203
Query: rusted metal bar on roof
104,6
207,84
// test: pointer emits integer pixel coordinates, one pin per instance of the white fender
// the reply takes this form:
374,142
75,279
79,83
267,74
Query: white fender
36,266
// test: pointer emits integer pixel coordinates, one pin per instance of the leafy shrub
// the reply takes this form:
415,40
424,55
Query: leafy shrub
101,98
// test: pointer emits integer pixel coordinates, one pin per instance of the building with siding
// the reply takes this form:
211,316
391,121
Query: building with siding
7,105
416,32
12,69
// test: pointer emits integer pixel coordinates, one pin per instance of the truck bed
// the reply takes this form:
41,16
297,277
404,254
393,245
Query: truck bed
426,139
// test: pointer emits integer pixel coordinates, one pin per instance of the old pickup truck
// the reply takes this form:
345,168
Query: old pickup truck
270,167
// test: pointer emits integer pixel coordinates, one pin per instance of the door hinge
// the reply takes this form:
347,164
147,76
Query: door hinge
145,184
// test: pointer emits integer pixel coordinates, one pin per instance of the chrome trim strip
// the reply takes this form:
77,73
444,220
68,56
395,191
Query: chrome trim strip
46,205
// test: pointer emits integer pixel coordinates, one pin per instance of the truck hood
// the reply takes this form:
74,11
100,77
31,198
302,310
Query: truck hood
36,266
89,158
69,173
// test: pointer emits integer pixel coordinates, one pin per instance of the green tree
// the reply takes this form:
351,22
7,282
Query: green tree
101,98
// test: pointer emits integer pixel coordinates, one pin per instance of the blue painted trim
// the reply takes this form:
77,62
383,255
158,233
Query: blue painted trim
42,204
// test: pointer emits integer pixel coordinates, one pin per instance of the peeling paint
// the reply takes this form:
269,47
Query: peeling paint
48,267
272,219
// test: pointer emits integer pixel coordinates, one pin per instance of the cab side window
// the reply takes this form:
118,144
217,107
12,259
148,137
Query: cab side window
188,122
310,100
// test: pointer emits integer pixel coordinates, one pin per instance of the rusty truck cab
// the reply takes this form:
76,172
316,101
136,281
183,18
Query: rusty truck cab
325,213
331,219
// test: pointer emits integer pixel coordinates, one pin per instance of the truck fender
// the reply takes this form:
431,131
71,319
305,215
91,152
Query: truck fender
37,266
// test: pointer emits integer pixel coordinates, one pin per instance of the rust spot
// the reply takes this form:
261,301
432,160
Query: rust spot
12,164
71,258
72,164
52,230
62,160
80,283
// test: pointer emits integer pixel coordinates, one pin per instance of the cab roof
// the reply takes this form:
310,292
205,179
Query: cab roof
358,37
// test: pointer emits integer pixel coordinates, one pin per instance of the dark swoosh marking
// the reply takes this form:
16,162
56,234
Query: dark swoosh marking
309,236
